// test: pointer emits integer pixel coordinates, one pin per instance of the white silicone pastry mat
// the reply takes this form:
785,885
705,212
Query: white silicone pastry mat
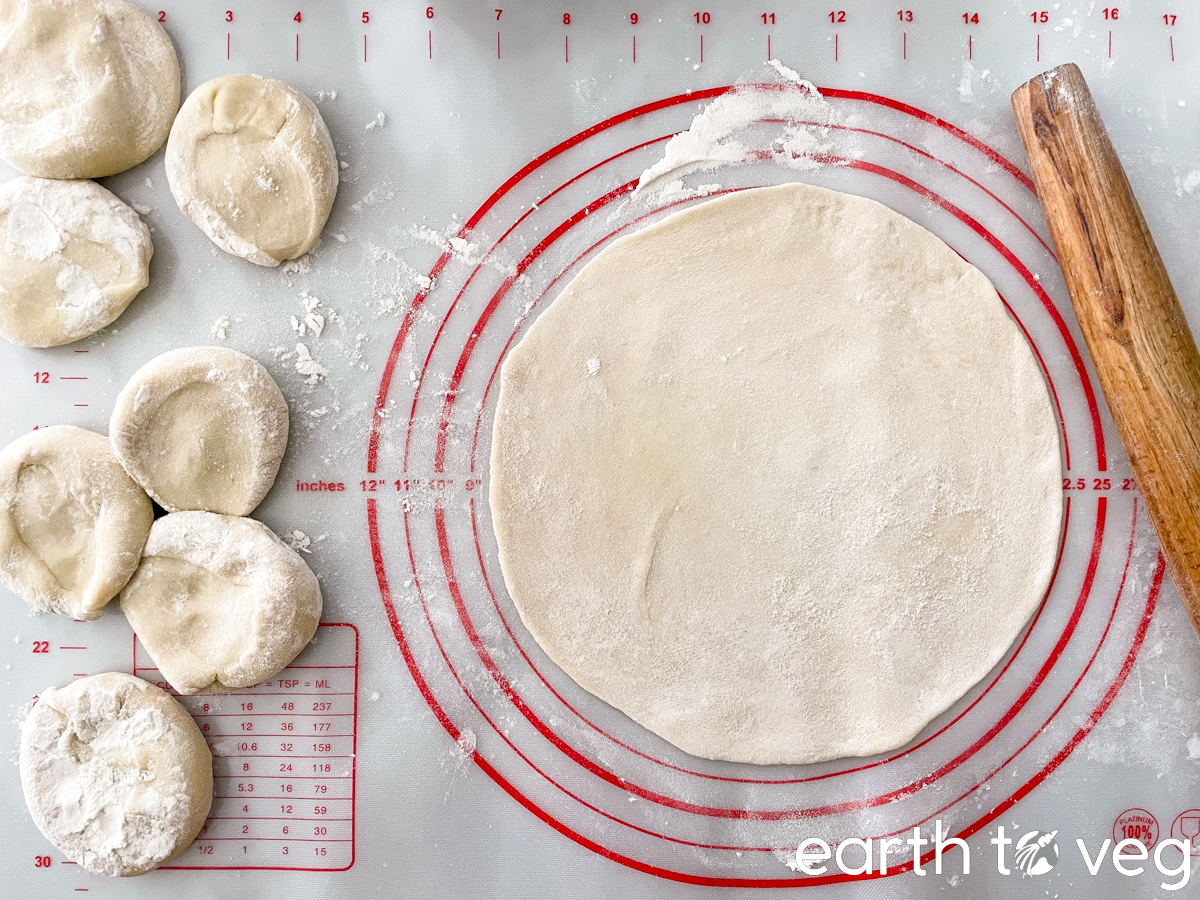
424,746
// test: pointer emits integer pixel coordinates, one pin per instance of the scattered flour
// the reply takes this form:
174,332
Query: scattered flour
220,328
312,320
306,365
721,135
300,542
379,122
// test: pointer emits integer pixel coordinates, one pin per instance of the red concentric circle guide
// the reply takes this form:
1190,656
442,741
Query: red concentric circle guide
582,767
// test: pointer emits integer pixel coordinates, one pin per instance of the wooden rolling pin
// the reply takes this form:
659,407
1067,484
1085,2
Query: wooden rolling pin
1134,327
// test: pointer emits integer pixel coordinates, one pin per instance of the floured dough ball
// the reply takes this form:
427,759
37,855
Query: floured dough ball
87,87
115,772
72,523
73,258
250,161
220,602
202,428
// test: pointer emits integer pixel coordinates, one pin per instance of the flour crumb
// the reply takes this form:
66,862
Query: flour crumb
265,181
220,328
322,96
593,366
299,541
312,320
339,237
301,266
343,165
142,209
150,183
1191,181
306,365
373,696
380,121
1193,747
784,72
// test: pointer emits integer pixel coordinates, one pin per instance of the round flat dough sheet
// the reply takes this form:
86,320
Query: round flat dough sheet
202,428
250,161
73,257
778,477
88,88
115,772
72,522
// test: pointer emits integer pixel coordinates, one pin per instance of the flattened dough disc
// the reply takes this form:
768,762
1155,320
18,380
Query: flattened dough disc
778,477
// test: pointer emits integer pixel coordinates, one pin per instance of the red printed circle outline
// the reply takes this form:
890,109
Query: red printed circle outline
426,692
502,682
1137,809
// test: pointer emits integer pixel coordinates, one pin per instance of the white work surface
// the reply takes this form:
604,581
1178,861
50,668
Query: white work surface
425,746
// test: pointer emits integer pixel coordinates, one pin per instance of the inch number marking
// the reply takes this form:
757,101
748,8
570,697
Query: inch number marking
1097,484
970,18
837,16
41,377
41,646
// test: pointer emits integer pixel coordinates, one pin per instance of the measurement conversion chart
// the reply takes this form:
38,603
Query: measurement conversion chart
283,757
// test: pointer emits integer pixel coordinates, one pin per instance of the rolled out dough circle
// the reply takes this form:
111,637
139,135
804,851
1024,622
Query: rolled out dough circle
778,477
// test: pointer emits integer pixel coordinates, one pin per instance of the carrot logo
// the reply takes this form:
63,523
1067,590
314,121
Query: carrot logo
1037,852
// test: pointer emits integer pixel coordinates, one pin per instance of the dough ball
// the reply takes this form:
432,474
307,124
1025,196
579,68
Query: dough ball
777,476
87,87
115,772
220,602
72,523
251,163
202,428
73,258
